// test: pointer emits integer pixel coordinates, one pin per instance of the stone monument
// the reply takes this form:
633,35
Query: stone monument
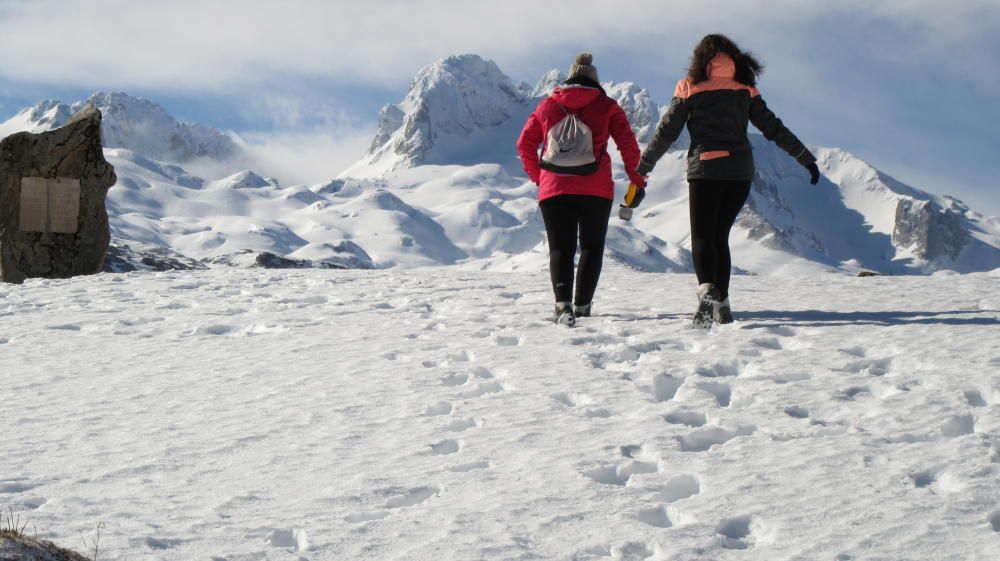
53,186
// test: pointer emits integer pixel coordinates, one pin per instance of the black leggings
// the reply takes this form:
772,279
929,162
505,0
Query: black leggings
564,215
714,206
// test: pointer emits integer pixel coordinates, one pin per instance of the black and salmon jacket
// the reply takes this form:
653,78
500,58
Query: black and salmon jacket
716,112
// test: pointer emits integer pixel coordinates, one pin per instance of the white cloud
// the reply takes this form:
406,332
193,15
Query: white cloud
305,157
198,45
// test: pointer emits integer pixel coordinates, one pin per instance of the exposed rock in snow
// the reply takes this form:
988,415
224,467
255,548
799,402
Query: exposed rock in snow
927,230
343,255
125,256
53,186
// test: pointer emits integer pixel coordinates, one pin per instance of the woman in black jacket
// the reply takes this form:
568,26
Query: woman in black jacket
716,100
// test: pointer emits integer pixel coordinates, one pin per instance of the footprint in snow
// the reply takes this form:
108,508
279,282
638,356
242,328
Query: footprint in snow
994,521
455,379
639,461
459,425
720,369
736,532
471,466
398,498
665,387
412,497
852,393
720,391
656,517
781,331
483,388
767,343
459,356
505,339
708,437
688,418
16,485
879,367
797,412
791,377
958,425
437,409
632,551
572,399
287,538
972,397
679,488
445,447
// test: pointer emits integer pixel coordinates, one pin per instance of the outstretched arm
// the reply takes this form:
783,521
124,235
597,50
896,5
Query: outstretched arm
621,131
775,131
527,146
667,131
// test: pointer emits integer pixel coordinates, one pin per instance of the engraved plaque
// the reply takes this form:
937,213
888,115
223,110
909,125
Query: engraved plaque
64,205
34,204
50,205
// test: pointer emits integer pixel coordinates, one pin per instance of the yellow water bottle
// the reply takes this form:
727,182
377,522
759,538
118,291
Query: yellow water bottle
625,210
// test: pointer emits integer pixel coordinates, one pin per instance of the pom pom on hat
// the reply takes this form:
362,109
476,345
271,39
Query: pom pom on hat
583,67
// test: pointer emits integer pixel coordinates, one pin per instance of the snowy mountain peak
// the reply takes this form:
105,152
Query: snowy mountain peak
549,82
449,104
642,111
133,123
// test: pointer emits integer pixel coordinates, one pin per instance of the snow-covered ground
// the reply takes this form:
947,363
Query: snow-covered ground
433,414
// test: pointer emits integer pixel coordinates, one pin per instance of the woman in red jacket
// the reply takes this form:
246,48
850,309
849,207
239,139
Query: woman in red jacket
716,100
575,189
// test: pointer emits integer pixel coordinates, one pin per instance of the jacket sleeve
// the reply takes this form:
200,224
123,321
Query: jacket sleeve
527,146
667,131
775,131
621,132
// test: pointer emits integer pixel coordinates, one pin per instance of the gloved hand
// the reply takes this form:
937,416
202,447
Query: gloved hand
813,173
634,195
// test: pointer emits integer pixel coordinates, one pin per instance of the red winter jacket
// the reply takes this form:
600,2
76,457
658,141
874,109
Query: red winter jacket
605,119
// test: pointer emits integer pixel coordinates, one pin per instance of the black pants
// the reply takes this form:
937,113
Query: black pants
714,206
564,216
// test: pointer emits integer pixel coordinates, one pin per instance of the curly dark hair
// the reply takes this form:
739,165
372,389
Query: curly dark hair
747,66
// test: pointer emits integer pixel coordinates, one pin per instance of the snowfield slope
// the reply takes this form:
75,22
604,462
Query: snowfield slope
434,414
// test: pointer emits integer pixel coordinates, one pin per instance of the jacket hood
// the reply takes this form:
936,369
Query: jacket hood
721,66
575,96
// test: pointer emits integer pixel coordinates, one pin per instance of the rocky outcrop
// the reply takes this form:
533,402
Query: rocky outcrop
53,187
928,230
126,256
344,255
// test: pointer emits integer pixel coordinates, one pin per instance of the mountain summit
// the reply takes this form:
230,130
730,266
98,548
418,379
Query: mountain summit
133,123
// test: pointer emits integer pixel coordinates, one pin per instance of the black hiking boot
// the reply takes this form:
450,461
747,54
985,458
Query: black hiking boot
582,311
708,297
563,315
722,313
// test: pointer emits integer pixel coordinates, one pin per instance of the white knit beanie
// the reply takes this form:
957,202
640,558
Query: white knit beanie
583,67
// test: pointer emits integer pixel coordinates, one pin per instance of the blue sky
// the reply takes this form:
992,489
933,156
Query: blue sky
908,85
